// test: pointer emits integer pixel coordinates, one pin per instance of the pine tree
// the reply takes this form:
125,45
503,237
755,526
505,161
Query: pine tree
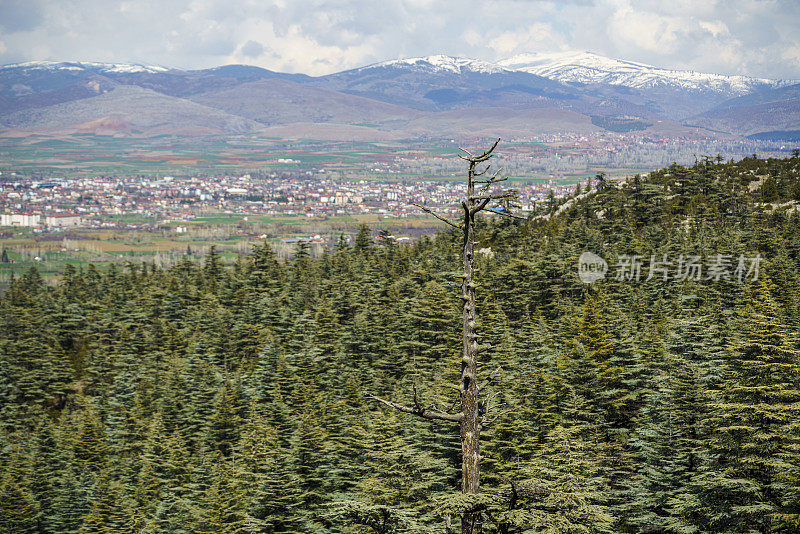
212,270
431,335
363,239
201,384
19,511
398,474
110,511
71,504
745,489
223,509
308,443
89,446
224,425
173,516
695,382
46,473
263,471
563,487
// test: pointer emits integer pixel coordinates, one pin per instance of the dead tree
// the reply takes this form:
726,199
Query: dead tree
474,414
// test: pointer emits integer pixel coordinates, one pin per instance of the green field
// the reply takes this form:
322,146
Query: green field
82,154
158,243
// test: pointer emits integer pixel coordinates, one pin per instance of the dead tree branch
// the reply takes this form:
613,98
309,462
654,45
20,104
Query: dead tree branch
418,410
506,214
487,420
483,157
443,219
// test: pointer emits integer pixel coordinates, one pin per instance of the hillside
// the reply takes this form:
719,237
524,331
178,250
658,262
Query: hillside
774,110
664,93
440,82
501,122
277,101
129,109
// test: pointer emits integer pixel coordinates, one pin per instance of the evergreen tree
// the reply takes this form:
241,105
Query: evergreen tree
110,511
89,446
173,516
223,509
71,504
19,511
363,239
745,488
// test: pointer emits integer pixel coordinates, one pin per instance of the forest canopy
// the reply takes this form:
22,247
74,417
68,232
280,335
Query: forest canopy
229,399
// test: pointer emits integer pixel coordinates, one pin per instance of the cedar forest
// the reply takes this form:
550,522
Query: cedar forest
205,398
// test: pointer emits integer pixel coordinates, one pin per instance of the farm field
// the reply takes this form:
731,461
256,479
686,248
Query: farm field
137,239
78,155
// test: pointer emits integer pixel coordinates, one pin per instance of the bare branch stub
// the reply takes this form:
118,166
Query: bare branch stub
486,155
490,378
482,204
467,152
487,404
493,179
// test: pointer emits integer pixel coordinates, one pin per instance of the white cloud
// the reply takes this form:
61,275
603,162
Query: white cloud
792,56
537,36
472,37
755,37
714,27
645,30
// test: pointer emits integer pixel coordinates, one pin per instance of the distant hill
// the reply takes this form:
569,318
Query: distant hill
128,109
673,94
777,135
406,97
768,111
43,83
442,82
588,68
276,101
502,122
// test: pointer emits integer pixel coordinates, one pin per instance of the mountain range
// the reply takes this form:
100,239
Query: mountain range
522,96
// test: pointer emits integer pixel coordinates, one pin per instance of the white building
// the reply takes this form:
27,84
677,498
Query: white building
20,219
63,221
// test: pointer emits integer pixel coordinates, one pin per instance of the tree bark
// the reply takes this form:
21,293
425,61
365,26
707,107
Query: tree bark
470,423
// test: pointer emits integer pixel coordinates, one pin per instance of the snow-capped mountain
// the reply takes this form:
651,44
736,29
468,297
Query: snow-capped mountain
441,82
561,86
90,66
589,68
440,64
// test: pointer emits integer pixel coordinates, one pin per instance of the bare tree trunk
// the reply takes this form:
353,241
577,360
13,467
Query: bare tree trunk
473,415
470,423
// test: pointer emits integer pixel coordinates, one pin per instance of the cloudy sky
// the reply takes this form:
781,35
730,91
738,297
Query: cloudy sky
751,37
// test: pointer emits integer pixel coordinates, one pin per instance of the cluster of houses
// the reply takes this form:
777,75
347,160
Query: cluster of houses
67,203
